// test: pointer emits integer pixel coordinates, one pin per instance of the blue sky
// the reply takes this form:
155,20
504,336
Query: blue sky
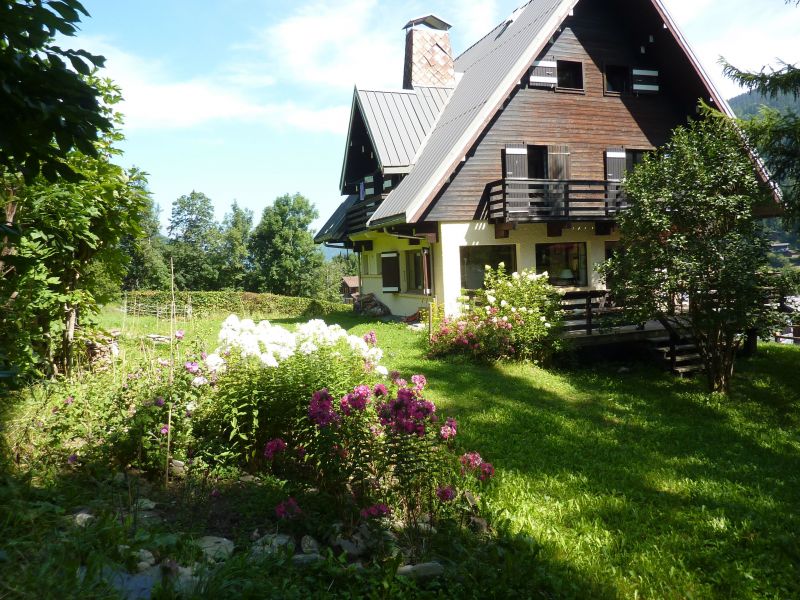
249,99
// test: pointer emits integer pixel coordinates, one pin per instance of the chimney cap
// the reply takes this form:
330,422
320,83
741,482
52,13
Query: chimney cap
431,21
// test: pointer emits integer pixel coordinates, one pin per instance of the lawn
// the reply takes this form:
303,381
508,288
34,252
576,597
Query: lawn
620,480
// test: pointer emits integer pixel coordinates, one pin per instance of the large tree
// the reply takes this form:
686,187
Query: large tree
54,272
690,234
234,254
148,268
285,259
47,107
194,242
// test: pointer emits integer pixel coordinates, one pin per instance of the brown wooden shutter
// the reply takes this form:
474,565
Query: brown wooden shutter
390,267
558,162
615,164
517,161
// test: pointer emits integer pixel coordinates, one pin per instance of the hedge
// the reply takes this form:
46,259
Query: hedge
241,303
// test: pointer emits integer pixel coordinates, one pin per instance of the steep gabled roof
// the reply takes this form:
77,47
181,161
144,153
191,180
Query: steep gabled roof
334,228
490,70
397,121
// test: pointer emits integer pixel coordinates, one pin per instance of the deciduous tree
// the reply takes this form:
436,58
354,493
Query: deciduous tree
690,235
194,242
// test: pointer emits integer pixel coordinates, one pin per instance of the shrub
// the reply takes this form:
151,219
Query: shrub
513,316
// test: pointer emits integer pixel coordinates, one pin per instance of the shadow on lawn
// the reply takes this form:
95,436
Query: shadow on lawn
672,476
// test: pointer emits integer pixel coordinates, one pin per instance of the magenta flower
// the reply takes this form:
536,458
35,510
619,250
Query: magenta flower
445,493
320,409
419,381
375,511
159,401
380,390
288,509
179,334
164,429
486,471
371,338
471,460
192,367
69,400
215,493
273,447
301,452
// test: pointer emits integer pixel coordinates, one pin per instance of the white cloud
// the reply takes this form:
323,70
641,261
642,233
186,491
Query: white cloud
154,100
475,18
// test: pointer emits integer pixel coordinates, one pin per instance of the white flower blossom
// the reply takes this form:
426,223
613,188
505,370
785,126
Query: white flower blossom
199,381
503,303
381,370
491,299
214,362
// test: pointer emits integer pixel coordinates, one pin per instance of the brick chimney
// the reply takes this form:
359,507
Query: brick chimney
429,56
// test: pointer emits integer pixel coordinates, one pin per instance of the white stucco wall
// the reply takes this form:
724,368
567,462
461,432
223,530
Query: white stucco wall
525,237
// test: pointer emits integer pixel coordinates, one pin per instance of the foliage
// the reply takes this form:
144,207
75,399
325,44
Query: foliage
285,259
43,100
690,234
330,276
148,268
234,255
69,246
194,242
748,105
514,315
204,303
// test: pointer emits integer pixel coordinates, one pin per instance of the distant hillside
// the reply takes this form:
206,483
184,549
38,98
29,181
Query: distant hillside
747,105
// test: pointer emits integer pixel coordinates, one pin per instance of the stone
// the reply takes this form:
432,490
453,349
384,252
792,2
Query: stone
478,524
303,560
427,570
215,548
247,478
133,587
145,504
177,468
272,543
83,518
146,557
309,545
185,580
354,547
143,566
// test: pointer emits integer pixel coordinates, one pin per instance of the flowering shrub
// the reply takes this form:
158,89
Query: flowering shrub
513,316
264,375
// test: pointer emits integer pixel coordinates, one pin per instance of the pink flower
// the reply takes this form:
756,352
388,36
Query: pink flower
164,429
320,409
192,367
449,429
471,460
179,334
419,381
375,511
380,390
273,447
288,509
445,493
371,338
486,471
163,362
69,400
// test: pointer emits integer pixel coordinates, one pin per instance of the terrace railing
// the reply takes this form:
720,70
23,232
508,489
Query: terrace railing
542,200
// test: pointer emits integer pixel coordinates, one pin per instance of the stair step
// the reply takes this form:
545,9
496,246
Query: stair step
683,358
684,370
679,348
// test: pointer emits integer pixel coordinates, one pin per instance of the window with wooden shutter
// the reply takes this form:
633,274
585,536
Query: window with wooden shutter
516,161
558,162
615,164
645,81
390,268
543,74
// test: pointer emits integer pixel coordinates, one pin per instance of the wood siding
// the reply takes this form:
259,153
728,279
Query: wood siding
587,124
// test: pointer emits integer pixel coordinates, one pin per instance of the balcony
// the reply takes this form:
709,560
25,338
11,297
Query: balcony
360,212
543,200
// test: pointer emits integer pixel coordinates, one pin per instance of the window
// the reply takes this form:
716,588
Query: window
418,273
618,79
570,75
633,158
475,258
390,262
564,263
537,162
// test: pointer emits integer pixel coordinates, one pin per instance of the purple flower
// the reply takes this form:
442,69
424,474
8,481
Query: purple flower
179,334
273,447
375,511
371,338
192,367
471,460
445,493
486,471
288,509
69,400
419,381
320,409
164,429
159,401
72,459
380,390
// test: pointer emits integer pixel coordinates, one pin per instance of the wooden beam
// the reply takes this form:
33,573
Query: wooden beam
363,246
555,229
604,227
502,230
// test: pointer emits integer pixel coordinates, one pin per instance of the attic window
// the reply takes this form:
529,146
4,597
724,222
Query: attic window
570,75
618,80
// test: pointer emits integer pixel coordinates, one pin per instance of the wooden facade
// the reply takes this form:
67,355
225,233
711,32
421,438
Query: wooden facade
584,124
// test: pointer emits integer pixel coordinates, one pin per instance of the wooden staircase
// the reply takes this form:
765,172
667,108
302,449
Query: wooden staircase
678,350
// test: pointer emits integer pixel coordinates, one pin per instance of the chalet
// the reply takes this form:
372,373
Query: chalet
512,152
349,288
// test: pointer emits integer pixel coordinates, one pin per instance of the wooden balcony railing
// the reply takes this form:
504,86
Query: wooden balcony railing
541,200
360,212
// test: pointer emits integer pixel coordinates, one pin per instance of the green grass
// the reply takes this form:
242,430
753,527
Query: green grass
622,484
